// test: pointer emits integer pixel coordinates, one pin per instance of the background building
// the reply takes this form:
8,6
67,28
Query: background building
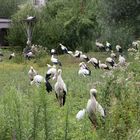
4,26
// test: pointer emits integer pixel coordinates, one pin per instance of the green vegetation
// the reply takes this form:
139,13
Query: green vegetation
28,112
77,24
9,7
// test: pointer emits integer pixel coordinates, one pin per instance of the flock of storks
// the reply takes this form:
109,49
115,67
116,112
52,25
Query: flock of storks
60,87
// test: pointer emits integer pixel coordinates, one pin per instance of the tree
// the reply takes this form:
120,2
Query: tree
9,7
59,22
118,20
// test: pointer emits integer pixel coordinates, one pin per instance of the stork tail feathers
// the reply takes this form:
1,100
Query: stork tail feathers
47,77
64,98
48,87
80,114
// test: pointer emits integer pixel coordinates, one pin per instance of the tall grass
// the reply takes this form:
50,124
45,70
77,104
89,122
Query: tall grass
30,113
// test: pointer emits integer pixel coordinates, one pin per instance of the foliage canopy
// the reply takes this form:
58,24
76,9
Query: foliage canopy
77,24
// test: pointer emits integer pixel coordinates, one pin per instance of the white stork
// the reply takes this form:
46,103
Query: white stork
110,61
119,48
122,60
136,44
92,108
84,70
113,55
100,46
60,89
12,55
32,72
84,57
103,66
77,54
94,62
52,72
65,50
29,55
30,17
28,42
55,61
53,52
108,46
38,79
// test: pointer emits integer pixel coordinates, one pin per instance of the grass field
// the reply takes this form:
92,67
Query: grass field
30,113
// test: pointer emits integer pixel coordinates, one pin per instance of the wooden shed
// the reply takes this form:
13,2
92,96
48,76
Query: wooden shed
4,26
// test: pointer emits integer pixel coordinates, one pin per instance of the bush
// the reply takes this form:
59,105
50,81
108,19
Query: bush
54,25
78,24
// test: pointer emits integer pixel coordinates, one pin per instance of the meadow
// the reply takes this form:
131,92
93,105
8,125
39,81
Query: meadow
30,113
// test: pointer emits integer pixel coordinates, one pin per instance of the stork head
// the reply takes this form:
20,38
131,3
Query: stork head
31,67
80,64
28,42
93,92
118,46
59,71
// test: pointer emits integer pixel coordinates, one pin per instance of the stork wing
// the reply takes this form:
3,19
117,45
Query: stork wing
100,109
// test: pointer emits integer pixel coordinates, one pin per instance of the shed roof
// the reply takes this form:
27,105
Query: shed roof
5,23
4,20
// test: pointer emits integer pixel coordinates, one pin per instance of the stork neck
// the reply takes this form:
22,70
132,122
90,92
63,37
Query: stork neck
92,97
59,78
